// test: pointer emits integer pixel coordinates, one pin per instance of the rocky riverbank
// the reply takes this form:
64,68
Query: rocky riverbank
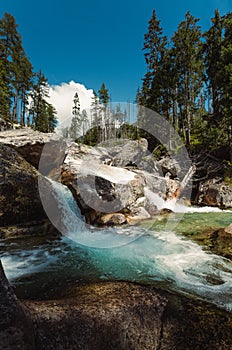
113,316
111,185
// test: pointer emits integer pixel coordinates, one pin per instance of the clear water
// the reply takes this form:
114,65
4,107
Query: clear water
150,254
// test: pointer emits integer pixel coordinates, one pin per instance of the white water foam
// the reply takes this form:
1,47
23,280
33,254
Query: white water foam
74,227
176,206
26,262
150,257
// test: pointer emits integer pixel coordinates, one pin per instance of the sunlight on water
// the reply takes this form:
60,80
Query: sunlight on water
133,253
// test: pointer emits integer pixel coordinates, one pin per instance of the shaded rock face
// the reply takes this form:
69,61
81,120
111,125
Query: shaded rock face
20,201
104,316
127,316
16,326
21,210
111,315
215,193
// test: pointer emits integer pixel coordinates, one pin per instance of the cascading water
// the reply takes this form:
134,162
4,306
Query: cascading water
176,206
162,258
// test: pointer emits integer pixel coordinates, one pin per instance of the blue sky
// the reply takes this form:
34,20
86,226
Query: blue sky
92,42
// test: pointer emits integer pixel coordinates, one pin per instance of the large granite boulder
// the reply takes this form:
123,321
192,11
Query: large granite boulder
120,315
21,210
216,193
30,143
112,316
100,188
127,152
16,326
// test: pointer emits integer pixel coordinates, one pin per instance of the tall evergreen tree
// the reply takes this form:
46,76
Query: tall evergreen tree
75,126
95,110
187,48
212,60
84,121
15,72
104,97
154,51
43,114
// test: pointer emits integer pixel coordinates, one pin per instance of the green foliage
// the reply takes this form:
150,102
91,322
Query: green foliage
103,94
18,82
43,114
189,82
92,136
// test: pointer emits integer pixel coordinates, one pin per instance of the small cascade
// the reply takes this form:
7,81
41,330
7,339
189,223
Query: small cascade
68,220
177,207
134,254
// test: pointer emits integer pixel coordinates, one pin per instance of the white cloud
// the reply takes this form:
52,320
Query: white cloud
61,97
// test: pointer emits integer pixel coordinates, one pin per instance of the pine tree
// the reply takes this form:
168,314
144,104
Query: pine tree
103,95
212,58
189,66
218,62
75,126
84,121
43,114
155,48
51,118
95,110
226,82
9,38
15,71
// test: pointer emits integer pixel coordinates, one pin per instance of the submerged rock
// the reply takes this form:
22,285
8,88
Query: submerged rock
217,241
112,219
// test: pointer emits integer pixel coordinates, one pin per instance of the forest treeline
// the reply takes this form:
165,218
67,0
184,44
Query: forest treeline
23,92
189,80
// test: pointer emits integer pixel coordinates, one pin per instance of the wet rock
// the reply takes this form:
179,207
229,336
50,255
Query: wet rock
138,214
100,188
112,219
16,326
228,230
217,241
32,228
165,211
111,316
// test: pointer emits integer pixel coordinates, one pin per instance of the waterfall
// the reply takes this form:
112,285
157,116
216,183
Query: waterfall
175,206
133,253
67,218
